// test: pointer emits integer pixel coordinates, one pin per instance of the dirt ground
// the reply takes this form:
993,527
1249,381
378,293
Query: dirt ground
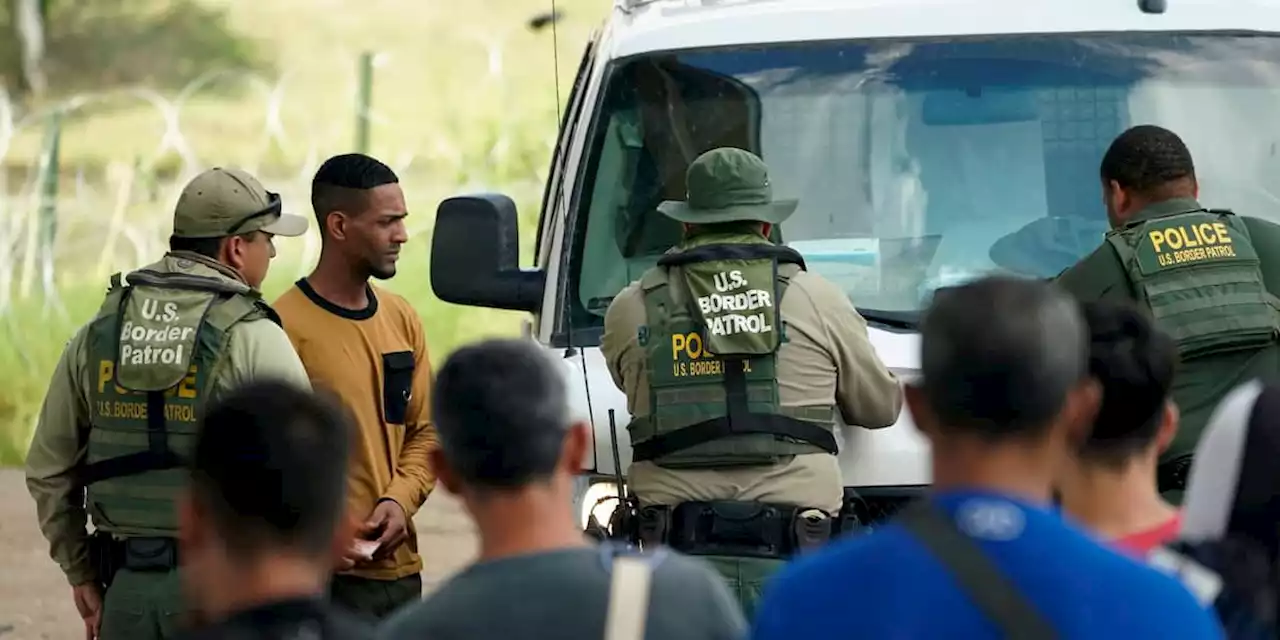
35,601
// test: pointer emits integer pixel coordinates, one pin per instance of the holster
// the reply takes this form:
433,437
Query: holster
106,555
851,516
734,528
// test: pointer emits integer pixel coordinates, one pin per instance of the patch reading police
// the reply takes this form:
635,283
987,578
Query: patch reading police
736,302
158,332
1189,240
689,358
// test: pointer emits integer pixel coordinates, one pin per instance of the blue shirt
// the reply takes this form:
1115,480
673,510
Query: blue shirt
884,584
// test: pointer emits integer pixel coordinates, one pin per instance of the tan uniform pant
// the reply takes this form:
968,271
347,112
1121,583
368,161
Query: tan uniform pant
808,480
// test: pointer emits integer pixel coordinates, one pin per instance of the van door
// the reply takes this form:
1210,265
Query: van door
551,219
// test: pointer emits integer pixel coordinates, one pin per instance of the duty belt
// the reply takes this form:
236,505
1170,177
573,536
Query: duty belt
733,528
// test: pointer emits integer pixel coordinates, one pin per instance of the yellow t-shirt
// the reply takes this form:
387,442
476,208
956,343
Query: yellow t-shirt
375,361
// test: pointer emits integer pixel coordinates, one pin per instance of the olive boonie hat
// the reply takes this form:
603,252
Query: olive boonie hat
726,185
227,201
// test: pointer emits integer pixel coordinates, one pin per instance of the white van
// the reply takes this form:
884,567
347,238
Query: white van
928,141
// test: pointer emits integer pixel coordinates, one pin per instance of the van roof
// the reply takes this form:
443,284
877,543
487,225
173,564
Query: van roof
642,26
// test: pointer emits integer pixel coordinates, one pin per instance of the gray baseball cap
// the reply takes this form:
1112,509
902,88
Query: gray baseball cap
225,201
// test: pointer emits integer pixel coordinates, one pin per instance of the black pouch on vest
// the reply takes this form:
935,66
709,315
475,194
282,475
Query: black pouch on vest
150,554
397,385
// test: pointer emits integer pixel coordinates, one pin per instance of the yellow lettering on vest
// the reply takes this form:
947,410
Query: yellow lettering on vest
1156,240
690,359
1173,238
105,368
1224,234
187,388
690,346
1206,234
1188,239
131,410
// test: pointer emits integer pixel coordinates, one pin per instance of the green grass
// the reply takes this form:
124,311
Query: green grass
440,118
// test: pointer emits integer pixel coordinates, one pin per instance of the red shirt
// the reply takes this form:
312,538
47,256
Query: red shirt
1142,542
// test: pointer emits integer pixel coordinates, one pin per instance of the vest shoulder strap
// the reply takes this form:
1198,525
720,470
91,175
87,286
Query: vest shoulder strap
238,308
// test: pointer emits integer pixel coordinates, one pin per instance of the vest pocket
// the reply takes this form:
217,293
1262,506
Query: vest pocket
397,385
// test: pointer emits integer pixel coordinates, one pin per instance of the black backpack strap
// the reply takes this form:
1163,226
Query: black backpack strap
978,577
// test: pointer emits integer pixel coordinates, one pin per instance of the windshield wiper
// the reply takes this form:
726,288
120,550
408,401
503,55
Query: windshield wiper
909,320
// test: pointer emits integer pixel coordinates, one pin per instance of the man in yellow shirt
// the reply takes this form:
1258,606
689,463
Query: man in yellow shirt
366,345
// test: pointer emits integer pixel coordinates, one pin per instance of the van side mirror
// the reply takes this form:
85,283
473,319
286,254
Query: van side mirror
475,255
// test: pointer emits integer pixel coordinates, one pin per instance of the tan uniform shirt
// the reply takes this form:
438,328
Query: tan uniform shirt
827,358
256,349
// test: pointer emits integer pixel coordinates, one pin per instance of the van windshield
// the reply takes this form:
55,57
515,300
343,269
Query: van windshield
921,164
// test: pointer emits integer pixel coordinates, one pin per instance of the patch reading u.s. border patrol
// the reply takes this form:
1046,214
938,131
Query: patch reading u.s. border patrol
1179,242
735,299
158,334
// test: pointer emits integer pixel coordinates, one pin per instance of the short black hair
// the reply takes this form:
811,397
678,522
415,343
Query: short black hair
270,467
1151,161
999,355
1135,363
341,182
207,247
501,411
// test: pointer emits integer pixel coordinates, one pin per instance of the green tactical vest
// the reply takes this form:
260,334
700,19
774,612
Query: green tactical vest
1199,274
711,337
155,348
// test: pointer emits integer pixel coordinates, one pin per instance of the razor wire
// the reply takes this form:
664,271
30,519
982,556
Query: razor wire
109,224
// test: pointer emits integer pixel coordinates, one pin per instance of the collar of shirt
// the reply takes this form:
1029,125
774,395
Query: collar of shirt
1166,208
991,515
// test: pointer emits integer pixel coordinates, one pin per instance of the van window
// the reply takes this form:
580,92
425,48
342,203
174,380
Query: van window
920,164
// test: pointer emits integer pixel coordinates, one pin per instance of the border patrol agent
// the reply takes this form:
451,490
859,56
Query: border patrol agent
122,408
735,362
1208,277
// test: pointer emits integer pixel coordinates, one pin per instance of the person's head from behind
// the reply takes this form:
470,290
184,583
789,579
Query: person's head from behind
267,491
1134,362
502,413
1145,165
360,209
225,214
1003,369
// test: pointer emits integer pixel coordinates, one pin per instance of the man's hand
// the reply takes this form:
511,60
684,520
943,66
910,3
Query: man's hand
88,598
387,525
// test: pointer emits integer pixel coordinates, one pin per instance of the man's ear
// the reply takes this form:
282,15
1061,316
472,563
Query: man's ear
1081,410
576,443
335,225
234,250
444,473
1169,420
918,405
1119,198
